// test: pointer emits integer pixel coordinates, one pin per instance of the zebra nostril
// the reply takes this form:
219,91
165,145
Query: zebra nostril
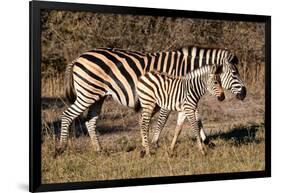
243,91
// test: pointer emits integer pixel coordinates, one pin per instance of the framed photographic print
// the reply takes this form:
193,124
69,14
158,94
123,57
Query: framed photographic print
124,96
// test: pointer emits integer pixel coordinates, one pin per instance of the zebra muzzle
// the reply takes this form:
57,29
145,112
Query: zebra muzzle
221,97
241,96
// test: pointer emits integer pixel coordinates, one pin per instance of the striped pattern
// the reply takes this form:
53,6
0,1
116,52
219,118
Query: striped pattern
230,79
110,71
177,94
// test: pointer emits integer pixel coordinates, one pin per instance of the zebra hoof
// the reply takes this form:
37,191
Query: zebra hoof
59,150
203,153
97,149
103,153
171,153
155,145
209,143
142,153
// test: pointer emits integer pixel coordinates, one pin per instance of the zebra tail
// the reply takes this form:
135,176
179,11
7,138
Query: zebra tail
68,82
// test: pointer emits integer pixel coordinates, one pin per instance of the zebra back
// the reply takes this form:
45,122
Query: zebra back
115,71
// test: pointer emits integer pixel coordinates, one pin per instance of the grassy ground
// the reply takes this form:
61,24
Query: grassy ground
238,133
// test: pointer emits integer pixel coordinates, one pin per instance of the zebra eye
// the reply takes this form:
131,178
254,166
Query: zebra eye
234,73
215,82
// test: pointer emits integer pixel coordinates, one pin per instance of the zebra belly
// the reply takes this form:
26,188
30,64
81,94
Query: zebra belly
131,104
178,106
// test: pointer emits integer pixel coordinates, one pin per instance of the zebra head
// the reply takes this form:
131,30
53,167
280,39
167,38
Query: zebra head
231,79
214,85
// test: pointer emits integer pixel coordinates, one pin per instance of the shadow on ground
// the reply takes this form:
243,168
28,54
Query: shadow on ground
81,130
52,102
241,135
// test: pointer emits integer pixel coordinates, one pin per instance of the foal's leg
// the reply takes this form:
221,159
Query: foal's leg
181,118
205,140
196,130
163,116
200,125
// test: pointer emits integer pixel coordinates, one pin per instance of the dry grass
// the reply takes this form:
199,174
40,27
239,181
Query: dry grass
239,146
121,158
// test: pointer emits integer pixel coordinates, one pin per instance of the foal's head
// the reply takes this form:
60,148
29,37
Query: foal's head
214,82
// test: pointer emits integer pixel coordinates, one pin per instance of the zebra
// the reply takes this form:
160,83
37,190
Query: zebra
100,72
180,94
230,79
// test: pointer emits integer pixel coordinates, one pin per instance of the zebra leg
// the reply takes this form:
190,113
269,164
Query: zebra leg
93,115
181,118
196,130
144,125
163,116
200,125
68,116
205,140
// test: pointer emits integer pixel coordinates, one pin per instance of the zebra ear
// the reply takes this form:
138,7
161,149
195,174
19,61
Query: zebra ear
214,69
219,69
234,60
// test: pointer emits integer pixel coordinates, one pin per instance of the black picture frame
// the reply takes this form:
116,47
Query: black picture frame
35,94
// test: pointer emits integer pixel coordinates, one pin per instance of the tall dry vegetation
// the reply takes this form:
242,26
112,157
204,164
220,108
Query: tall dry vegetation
66,34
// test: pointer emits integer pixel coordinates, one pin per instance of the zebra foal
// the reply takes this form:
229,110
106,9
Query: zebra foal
180,94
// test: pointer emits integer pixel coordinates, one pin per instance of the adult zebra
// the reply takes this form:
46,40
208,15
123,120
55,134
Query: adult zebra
180,94
110,71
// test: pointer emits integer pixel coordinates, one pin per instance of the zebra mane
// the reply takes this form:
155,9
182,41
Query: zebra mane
166,74
120,50
187,48
232,58
182,48
187,76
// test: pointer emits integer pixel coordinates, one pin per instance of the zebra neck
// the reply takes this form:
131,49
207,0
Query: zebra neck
196,82
172,63
181,62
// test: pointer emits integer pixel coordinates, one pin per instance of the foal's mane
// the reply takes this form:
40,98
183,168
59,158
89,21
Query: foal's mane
175,76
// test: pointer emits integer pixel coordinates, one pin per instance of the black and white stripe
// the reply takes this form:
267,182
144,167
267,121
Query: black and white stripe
177,94
230,79
110,71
